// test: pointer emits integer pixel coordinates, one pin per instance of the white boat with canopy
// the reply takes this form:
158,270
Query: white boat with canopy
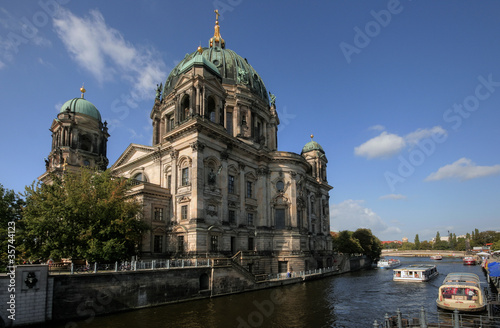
415,272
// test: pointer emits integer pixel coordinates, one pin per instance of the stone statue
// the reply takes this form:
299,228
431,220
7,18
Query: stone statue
242,76
158,90
273,99
211,177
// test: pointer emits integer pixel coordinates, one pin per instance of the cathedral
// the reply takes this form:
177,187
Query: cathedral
213,183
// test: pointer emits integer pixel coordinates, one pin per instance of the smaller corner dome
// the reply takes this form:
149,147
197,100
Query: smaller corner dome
198,59
81,106
312,145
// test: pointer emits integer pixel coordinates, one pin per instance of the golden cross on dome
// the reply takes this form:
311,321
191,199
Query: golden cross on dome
216,11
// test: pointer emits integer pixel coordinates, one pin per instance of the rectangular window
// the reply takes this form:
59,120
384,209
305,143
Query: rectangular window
214,243
158,244
229,123
185,176
280,218
230,184
169,181
171,123
250,219
180,244
158,214
250,244
249,189
232,217
299,218
184,212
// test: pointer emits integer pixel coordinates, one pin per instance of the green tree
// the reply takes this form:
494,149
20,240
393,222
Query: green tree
417,242
371,245
425,245
460,245
85,215
439,244
408,246
345,243
392,245
495,246
10,213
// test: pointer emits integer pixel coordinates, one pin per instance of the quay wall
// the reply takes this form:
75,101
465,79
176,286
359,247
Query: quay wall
67,297
422,253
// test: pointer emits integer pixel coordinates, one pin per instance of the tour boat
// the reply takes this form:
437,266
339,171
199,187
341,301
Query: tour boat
461,291
470,260
415,272
387,264
436,257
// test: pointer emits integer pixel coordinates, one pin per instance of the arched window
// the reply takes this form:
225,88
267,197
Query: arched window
140,177
211,109
280,186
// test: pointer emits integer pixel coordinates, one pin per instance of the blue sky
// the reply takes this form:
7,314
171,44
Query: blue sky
403,96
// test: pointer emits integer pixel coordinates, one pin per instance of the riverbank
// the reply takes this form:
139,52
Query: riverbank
422,253
65,297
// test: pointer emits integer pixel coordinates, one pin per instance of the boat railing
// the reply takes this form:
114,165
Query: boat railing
439,319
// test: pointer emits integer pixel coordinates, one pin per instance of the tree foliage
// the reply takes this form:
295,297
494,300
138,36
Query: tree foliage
360,241
371,245
84,215
345,243
417,242
10,213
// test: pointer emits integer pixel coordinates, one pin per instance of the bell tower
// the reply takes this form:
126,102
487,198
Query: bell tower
79,138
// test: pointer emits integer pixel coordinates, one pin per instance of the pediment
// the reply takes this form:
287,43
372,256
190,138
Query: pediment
132,154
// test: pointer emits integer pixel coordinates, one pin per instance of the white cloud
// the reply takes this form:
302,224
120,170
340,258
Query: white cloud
352,215
104,52
393,196
377,127
414,138
463,169
383,145
387,144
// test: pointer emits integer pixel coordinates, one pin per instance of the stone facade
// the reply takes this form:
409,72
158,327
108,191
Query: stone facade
214,184
79,138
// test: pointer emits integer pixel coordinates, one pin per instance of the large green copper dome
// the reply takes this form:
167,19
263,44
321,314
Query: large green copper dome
81,106
231,67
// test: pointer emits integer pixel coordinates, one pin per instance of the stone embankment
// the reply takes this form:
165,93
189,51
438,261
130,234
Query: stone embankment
82,296
422,253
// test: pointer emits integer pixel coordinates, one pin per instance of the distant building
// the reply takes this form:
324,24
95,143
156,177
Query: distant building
399,242
405,239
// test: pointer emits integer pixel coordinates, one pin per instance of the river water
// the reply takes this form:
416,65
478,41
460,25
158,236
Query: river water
348,300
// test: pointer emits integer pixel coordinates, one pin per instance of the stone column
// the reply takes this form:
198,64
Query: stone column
197,181
243,194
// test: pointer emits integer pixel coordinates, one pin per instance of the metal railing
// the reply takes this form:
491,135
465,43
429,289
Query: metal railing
71,268
441,320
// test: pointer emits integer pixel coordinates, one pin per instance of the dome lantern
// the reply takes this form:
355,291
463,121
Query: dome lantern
217,40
